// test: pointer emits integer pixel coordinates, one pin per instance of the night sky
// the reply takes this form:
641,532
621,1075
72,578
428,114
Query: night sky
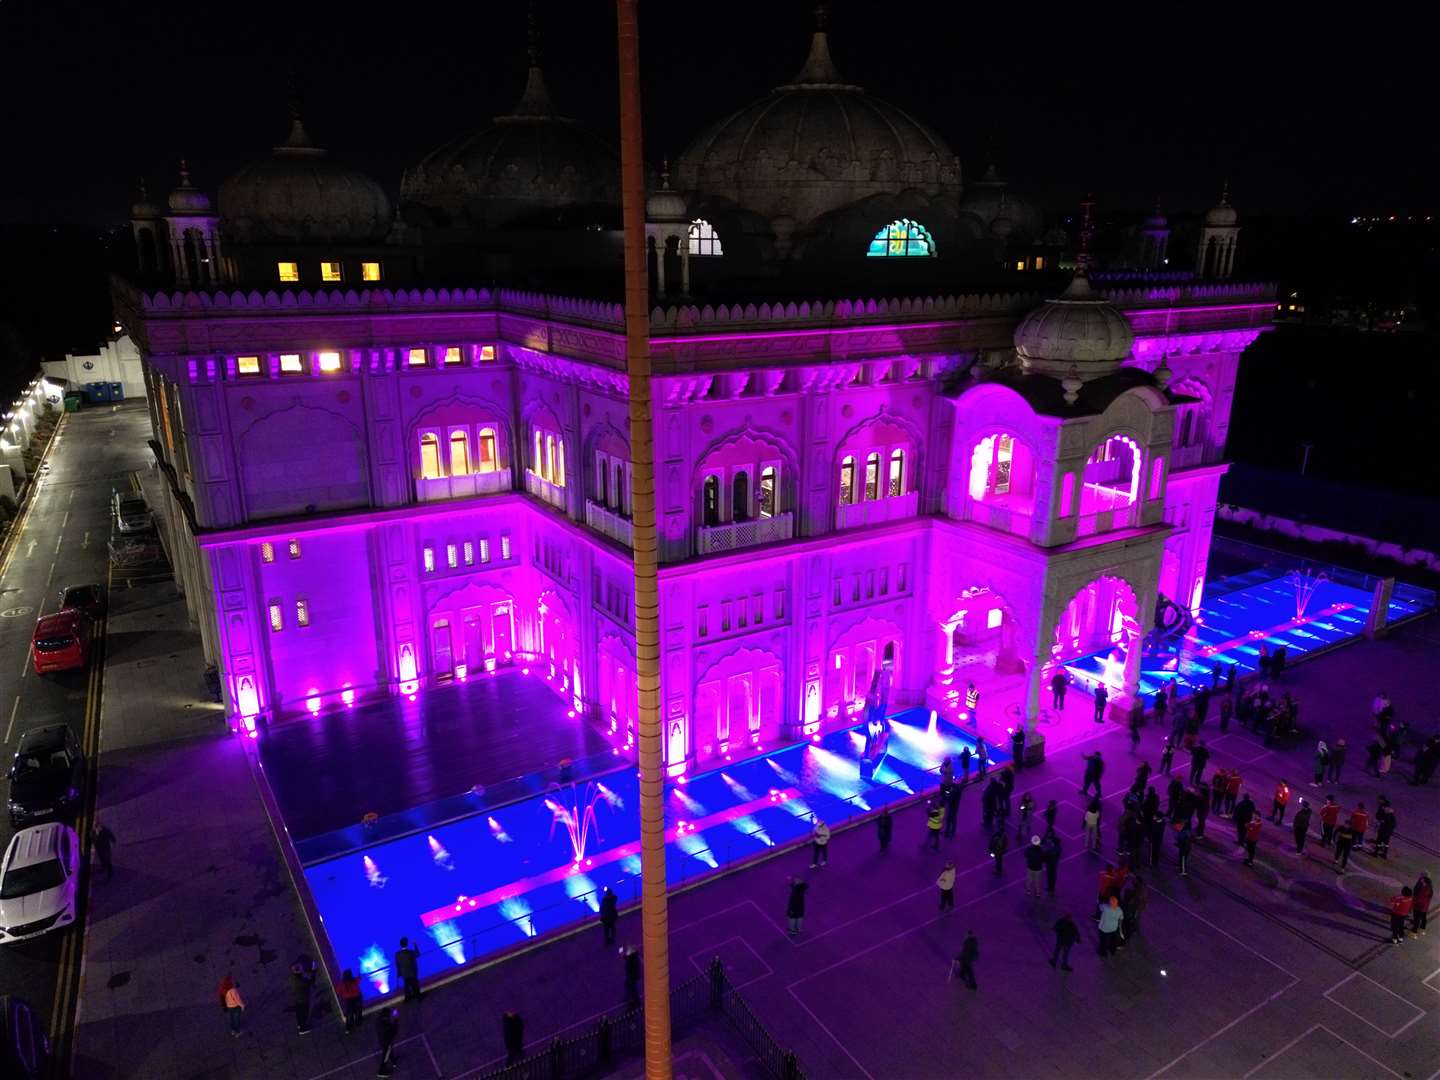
1300,114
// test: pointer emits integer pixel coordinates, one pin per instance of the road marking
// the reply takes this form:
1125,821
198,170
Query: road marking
14,709
66,519
30,550
51,575
85,543
58,541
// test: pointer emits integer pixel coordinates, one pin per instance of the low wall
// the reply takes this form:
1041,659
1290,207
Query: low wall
1320,534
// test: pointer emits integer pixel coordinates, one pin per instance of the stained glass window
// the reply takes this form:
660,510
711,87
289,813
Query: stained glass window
902,237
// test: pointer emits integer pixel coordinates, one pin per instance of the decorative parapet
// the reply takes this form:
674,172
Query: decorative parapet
816,313
1187,294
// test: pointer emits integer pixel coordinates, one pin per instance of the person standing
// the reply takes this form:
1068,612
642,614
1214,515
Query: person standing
1400,908
885,827
1058,685
1424,892
1101,696
1337,760
1252,837
1161,704
946,884
1227,710
999,842
1050,848
1232,791
1359,822
1167,756
1244,811
947,772
1049,814
969,954
104,841
1156,828
512,1027
965,756
1183,841
407,966
1092,825
1027,810
1218,783
302,981
819,844
951,796
795,905
234,1007
982,758
1066,936
972,704
1329,815
1017,748
1384,827
934,820
1110,919
1344,841
1281,800
352,1002
1134,733
609,915
387,1029
1302,826
633,967
1322,758
1034,865
1372,758
1002,802
1202,807
1094,770
1199,758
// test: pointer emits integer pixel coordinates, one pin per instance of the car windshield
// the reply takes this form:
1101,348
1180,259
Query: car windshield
29,880
31,765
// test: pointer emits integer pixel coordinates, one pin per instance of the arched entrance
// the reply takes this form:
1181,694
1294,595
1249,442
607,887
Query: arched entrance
738,703
1100,622
555,645
982,631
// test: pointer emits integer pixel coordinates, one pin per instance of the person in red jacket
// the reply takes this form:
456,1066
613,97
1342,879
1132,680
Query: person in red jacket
1424,892
1282,799
1252,837
1329,815
1359,821
1400,908
1232,791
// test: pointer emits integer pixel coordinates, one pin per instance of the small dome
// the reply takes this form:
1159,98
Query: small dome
143,209
187,198
1079,334
298,194
991,199
1157,219
664,204
1222,214
814,146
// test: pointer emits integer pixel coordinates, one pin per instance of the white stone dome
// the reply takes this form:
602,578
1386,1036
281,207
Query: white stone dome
1078,334
665,204
187,198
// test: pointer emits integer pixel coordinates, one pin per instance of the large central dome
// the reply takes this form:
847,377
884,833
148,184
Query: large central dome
815,145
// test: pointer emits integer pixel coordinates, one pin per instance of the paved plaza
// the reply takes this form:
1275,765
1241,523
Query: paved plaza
1278,970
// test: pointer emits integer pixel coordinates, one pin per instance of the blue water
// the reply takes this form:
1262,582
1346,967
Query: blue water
1259,600
367,907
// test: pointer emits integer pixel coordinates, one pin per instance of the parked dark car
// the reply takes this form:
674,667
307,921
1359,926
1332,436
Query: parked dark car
46,776
25,1046
87,598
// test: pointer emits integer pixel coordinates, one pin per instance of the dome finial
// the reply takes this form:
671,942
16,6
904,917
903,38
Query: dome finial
1087,233
1225,193
532,36
299,138
535,101
819,69
185,174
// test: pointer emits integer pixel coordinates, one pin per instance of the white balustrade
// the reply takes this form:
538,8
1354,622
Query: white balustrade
605,520
733,535
877,511
438,488
541,488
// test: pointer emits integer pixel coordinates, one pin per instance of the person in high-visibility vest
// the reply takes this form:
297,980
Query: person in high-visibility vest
972,701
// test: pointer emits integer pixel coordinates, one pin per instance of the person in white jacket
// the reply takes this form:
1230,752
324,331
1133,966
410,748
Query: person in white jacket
946,881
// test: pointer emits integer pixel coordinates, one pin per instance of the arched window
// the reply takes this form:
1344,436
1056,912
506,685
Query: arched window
897,473
620,487
872,476
488,460
549,470
711,500
538,459
703,238
901,238
459,454
767,505
430,456
847,481
559,478
740,496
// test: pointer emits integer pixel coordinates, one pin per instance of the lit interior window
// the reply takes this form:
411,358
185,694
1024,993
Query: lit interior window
416,358
267,552
1039,262
453,355
247,365
329,361
902,238
504,547
277,616
484,551
369,271
294,549
329,271
1019,264
459,454
703,238
290,363
302,612
429,560
430,457
452,556
469,553
487,352
288,271
487,462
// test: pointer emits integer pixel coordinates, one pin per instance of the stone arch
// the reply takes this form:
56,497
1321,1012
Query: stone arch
855,659
739,702
972,633
470,627
617,691
746,451
1102,615
885,430
463,410
301,459
1192,419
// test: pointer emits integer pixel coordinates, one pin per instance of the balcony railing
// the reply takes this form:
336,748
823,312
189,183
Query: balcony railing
1102,521
998,516
604,520
876,511
732,535
541,488
435,489
1187,457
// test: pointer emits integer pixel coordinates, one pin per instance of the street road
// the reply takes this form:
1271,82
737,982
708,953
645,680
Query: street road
62,540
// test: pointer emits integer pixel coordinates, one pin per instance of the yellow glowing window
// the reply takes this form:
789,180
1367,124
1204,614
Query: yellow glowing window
329,361
452,556
247,365
429,560
469,553
487,461
369,271
430,457
487,352
329,271
1020,264
416,358
294,547
290,363
459,454
453,355
277,616
1039,262
302,612
267,552
288,271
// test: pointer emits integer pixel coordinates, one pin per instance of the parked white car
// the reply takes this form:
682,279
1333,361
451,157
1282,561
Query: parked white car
38,880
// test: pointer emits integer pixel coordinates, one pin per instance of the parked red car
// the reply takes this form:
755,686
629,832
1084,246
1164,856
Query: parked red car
61,642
